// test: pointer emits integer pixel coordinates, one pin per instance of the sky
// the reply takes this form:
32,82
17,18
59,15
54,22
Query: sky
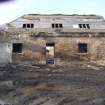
12,9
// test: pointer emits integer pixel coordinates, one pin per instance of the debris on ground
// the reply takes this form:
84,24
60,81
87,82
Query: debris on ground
76,83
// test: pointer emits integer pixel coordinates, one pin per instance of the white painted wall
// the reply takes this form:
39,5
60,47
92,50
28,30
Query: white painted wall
5,52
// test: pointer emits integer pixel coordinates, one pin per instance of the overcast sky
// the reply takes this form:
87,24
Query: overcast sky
15,8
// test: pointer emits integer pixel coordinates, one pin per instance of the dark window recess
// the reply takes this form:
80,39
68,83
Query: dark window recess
57,25
17,48
32,25
52,25
82,47
88,26
60,25
80,25
84,25
50,44
24,25
28,25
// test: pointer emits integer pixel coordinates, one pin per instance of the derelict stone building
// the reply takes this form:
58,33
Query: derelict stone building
56,38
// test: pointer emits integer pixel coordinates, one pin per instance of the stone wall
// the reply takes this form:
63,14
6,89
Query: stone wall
66,49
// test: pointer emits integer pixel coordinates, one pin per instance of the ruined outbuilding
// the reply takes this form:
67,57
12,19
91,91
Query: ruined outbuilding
53,39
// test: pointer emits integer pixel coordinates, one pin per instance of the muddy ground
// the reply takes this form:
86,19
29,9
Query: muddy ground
76,83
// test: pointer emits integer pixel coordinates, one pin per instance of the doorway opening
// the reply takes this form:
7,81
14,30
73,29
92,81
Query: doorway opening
50,50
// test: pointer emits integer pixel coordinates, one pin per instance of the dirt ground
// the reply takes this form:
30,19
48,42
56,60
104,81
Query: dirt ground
75,83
